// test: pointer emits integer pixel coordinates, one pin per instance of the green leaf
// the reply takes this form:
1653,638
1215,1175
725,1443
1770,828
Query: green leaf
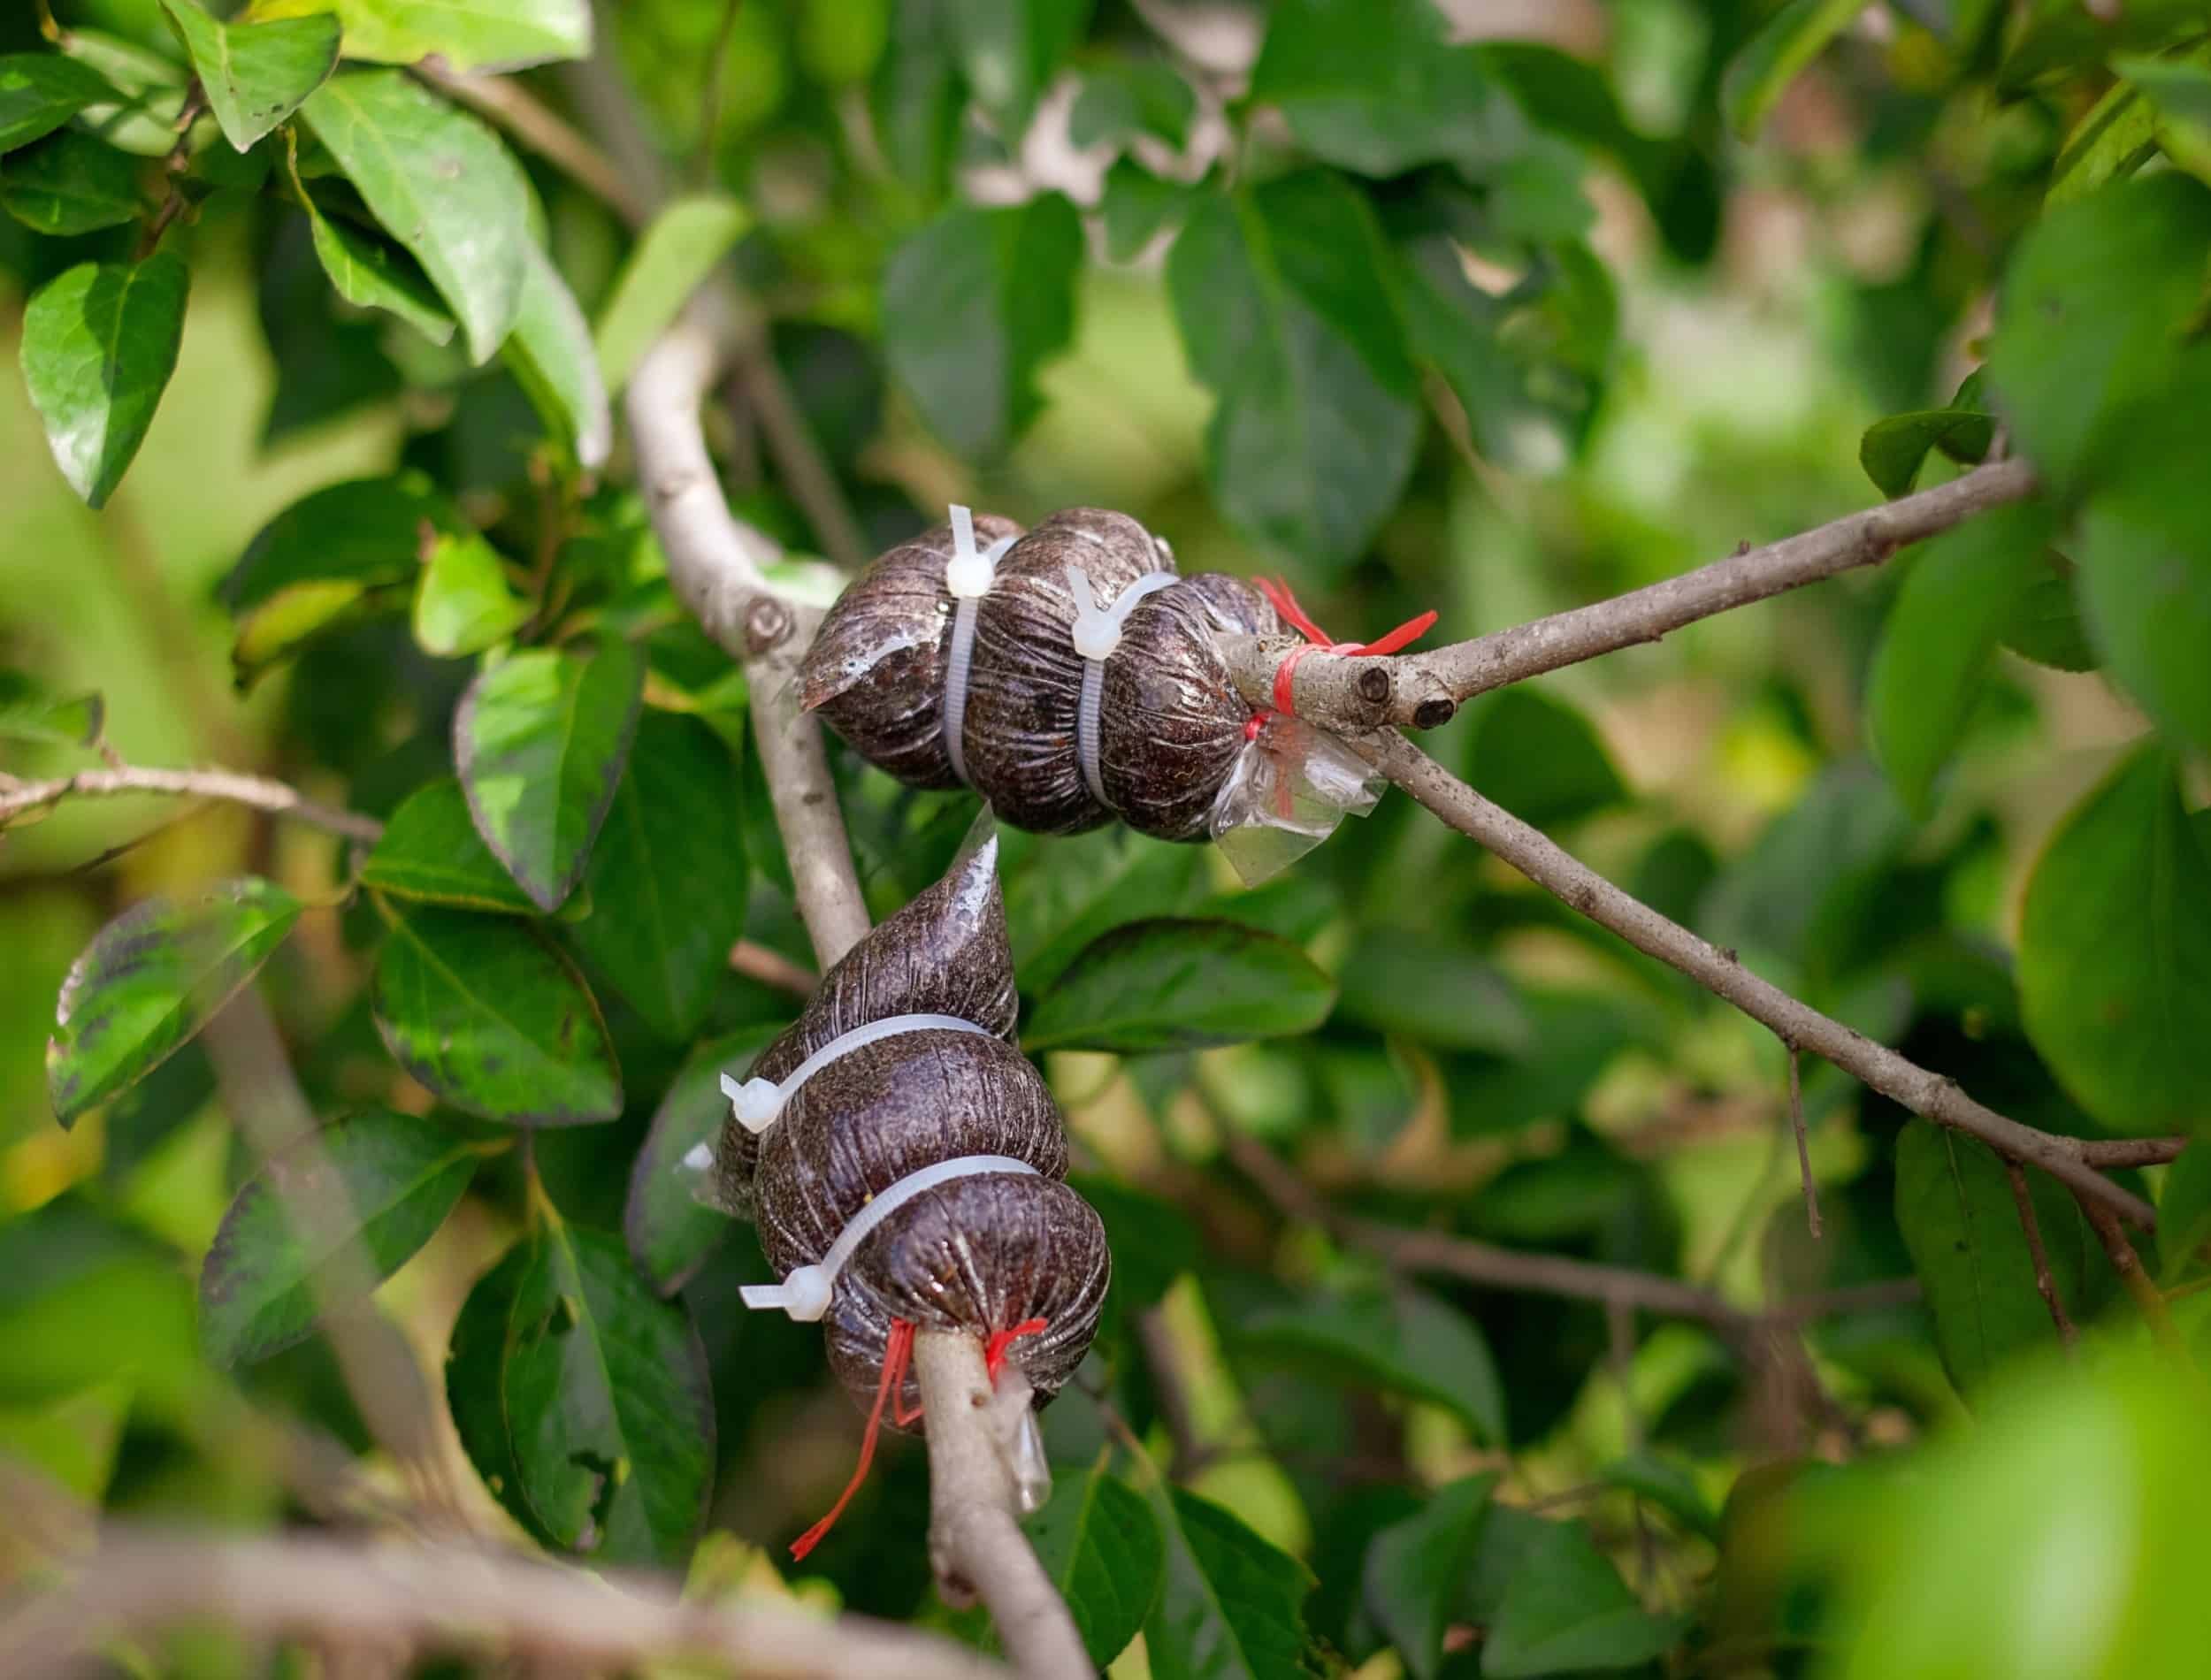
1415,1568
266,1282
1171,984
2097,302
40,91
1138,206
1566,1608
671,1233
70,183
2115,952
150,979
1152,1240
1432,986
1284,314
540,741
1669,1485
1892,449
2178,91
430,851
99,344
2047,627
1010,49
973,303
1229,1603
2145,577
666,878
1062,893
490,1017
1965,590
608,1409
678,251
72,1441
469,34
28,712
2116,137
1101,1546
1763,68
374,274
1372,85
442,184
255,74
1541,760
369,531
475,1358
1130,97
2183,1217
463,603
1404,1341
917,99
1960,1219
551,355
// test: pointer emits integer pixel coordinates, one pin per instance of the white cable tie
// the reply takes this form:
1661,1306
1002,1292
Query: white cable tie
1096,634
967,576
805,1292
757,1101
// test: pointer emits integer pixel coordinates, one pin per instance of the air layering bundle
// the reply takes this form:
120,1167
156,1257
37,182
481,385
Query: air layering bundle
1070,676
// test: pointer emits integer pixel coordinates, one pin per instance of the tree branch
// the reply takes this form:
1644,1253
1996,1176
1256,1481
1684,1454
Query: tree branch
1547,865
2029,1227
1421,690
374,1595
18,800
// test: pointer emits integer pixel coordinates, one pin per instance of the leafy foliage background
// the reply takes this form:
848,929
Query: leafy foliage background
1497,313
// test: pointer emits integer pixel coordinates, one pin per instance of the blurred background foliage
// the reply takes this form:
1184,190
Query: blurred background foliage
1620,287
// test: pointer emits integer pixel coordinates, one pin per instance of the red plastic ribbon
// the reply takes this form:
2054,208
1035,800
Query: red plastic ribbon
1277,593
994,1350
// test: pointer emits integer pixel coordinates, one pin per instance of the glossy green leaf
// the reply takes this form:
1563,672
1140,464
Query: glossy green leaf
1415,1568
1566,1609
1133,97
1960,1219
462,602
476,1354
1965,588
2116,137
266,1282
1101,1546
540,741
667,878
489,1016
70,183
973,303
551,352
1765,64
675,252
2096,301
430,851
375,275
254,74
1010,49
1284,313
1892,449
40,91
1062,893
1229,1602
442,184
608,1411
1403,1341
469,34
1540,759
369,531
2115,952
2144,581
151,980
99,343
1171,984
1372,85
671,1233
29,712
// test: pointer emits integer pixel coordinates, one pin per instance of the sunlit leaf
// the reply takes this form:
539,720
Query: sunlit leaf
99,344
254,74
1766,64
40,91
467,34
430,851
675,252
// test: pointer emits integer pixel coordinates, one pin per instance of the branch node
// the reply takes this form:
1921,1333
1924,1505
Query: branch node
767,625
1434,714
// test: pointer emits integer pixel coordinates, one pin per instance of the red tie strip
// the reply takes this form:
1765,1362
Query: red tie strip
1317,640
896,1354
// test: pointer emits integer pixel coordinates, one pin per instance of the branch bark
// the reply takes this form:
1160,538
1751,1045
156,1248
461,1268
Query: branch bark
374,1595
1551,868
1422,691
2031,1227
19,799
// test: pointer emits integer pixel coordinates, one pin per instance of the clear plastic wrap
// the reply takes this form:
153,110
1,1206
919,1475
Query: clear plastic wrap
1286,791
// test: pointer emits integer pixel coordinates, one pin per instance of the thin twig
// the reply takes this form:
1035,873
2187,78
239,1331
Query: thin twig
1803,1149
2045,1285
18,800
710,97
2138,1283
2132,1151
1424,690
1547,865
444,1597
513,107
772,968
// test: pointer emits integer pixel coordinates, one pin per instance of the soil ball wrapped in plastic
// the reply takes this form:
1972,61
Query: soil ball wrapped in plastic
1070,676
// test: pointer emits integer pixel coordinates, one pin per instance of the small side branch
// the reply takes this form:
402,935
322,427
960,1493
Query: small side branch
2148,1299
373,1596
1551,868
2045,1285
1804,1148
21,799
